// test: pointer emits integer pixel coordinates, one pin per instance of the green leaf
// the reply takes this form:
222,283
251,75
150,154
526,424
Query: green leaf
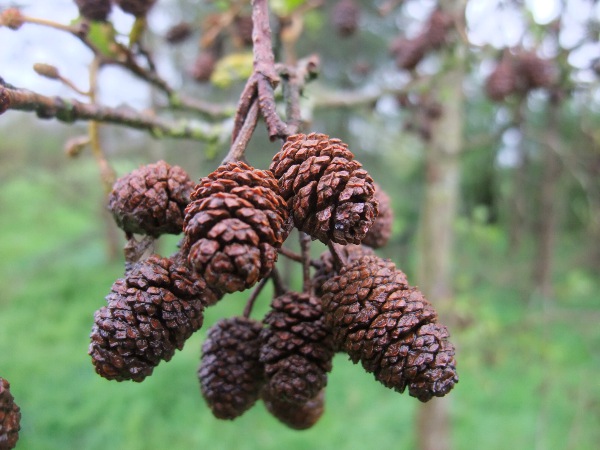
285,7
232,68
102,36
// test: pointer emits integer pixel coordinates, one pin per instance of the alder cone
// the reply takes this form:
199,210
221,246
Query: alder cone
349,253
151,200
94,9
502,82
297,348
178,33
436,29
329,194
138,8
230,373
296,416
387,325
345,17
243,26
10,417
150,313
204,65
380,232
536,72
408,53
234,226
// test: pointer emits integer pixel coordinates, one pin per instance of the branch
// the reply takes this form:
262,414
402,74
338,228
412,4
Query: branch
71,110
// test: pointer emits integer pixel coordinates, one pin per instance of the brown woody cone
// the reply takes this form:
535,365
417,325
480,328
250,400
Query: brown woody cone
297,417
536,72
150,313
379,320
230,372
329,194
94,9
138,8
502,82
151,200
380,232
345,17
408,53
436,29
349,253
178,33
296,348
10,417
234,226
243,29
204,66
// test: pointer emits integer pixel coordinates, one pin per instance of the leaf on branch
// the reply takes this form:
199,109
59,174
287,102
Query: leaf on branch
285,7
102,36
232,68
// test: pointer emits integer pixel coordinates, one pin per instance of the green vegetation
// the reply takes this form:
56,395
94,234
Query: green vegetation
528,366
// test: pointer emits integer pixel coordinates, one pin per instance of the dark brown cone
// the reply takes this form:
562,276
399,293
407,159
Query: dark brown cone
329,194
349,253
10,417
380,232
204,66
296,348
150,313
234,226
408,53
379,320
502,82
345,17
230,373
178,33
151,200
436,29
297,417
138,8
536,72
243,29
94,9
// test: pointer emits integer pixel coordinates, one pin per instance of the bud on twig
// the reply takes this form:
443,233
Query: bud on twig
47,70
12,18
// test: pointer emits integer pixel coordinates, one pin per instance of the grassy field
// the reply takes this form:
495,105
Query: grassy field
528,367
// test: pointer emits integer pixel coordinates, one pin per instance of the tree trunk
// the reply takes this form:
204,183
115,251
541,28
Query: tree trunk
437,226
546,224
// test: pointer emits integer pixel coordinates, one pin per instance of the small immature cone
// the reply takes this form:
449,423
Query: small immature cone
138,8
408,53
150,313
329,194
243,29
94,9
151,200
204,65
12,18
234,226
296,416
178,33
345,17
502,82
387,325
436,29
536,72
230,373
297,348
10,417
380,232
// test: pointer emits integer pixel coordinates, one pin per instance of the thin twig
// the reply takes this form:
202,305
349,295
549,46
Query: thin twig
338,260
238,148
255,293
278,285
298,258
71,110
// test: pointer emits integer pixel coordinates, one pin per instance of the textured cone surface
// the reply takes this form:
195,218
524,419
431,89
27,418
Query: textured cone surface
536,72
436,29
234,226
380,232
94,9
379,320
10,417
178,33
150,313
230,372
138,8
151,200
345,17
329,194
297,348
502,82
348,253
297,417
408,53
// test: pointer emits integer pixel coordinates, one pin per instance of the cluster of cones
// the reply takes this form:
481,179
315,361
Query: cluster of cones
234,221
519,72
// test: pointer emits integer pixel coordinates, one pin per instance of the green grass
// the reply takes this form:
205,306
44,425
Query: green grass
528,369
